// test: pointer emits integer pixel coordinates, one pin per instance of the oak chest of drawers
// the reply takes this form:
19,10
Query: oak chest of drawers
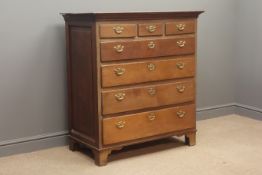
131,78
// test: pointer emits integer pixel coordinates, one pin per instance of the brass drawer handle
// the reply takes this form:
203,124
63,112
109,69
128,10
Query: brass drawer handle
152,91
151,28
180,66
181,88
181,114
151,116
120,124
151,67
118,29
151,45
181,43
180,27
119,71
120,96
119,48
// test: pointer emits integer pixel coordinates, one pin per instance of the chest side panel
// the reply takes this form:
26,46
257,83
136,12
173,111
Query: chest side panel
82,80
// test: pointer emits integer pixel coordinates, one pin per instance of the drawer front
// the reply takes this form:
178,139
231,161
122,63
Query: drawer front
180,27
146,71
146,124
116,101
118,30
150,29
147,48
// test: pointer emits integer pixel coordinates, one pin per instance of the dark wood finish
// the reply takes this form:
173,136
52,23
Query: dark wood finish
101,156
174,28
138,72
190,138
144,125
140,97
130,16
140,48
151,80
81,65
118,30
178,133
82,82
73,145
150,29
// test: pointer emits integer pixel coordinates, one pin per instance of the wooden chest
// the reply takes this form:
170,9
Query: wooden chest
131,78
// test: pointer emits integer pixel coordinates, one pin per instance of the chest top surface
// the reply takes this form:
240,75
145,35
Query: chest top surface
130,15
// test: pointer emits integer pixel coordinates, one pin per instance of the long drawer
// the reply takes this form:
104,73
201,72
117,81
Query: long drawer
146,71
121,100
132,49
146,124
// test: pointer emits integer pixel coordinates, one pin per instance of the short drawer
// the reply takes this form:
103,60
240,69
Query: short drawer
118,30
146,124
128,99
123,50
180,27
150,29
146,71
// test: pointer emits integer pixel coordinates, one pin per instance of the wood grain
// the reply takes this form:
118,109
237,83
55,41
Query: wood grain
189,27
107,30
138,72
93,108
82,80
140,126
139,97
140,48
143,29
130,16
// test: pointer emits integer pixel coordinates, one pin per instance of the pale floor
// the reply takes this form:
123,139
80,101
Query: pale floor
229,145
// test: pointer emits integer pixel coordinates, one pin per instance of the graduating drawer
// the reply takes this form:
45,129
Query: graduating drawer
128,99
146,71
146,124
180,27
132,49
118,30
150,29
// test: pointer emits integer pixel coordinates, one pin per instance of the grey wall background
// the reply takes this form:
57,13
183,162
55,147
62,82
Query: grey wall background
32,58
249,54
